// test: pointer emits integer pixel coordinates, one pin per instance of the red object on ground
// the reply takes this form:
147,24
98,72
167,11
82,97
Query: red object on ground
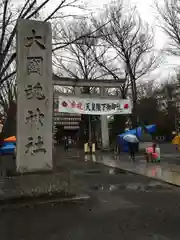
155,155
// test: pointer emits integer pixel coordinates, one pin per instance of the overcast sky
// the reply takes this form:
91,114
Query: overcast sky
148,13
145,8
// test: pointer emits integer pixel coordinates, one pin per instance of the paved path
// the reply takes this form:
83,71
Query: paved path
136,208
73,160
168,170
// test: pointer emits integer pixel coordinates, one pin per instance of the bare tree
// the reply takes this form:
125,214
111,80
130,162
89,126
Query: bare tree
78,59
8,96
9,14
169,15
111,66
168,93
132,42
147,89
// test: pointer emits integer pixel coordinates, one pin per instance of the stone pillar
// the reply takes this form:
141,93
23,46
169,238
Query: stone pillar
104,133
77,91
104,128
35,96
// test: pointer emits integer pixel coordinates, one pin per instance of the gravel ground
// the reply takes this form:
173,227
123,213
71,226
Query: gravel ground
122,206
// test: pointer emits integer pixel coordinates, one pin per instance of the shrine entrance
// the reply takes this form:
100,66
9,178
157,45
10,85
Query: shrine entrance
35,97
101,97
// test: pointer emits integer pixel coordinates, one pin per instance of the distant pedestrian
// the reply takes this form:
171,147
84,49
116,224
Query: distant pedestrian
66,143
69,141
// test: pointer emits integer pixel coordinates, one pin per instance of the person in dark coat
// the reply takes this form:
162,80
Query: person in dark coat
132,150
66,143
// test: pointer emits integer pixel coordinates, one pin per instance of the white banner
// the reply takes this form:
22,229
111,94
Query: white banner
93,106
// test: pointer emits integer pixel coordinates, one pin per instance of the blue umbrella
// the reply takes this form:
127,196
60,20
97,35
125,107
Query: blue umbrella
130,138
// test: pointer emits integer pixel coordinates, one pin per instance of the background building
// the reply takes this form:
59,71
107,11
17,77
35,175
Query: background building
66,123
169,94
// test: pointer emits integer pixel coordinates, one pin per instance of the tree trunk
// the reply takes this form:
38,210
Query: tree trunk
134,97
134,93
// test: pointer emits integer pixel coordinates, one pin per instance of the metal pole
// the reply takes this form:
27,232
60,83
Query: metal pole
90,133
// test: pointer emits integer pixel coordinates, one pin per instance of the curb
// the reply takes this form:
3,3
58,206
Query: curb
34,201
154,178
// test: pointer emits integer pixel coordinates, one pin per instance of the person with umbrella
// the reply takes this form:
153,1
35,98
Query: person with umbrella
132,143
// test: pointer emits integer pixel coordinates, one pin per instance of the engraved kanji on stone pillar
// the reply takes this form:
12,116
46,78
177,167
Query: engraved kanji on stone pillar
35,91
34,146
34,65
35,96
36,117
30,40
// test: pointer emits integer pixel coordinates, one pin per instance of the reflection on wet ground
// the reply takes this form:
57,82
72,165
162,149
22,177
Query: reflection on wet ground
169,173
152,186
116,171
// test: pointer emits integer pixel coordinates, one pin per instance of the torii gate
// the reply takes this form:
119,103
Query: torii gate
102,84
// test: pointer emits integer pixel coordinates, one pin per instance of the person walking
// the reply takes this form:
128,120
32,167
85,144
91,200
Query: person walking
66,144
132,141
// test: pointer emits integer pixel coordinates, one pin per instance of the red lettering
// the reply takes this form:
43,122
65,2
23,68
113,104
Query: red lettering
64,104
73,104
126,106
79,106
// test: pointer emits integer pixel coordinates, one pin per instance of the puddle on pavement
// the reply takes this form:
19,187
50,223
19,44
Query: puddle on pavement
90,158
111,171
105,187
158,237
116,171
92,171
97,187
100,158
152,186
157,184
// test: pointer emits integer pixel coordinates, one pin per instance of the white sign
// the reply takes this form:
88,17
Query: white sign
94,106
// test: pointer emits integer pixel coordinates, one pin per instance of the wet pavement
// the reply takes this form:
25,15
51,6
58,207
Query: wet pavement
132,186
168,170
122,206
164,171
75,161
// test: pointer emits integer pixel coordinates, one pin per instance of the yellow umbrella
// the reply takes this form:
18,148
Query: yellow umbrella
176,140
